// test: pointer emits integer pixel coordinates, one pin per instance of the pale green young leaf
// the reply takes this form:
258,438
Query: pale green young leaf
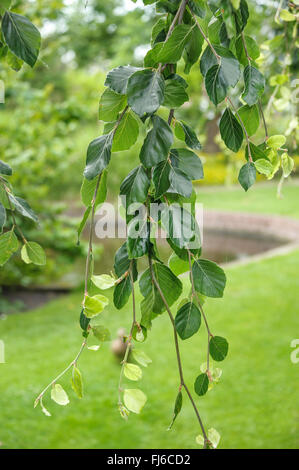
32,252
59,395
132,371
103,281
134,399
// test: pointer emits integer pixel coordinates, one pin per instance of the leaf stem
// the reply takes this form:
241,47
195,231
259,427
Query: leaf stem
205,37
74,362
179,361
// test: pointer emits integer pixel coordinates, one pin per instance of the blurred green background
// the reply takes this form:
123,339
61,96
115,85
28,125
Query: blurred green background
49,117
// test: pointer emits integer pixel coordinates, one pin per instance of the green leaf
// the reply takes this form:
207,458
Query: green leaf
141,357
201,384
5,169
287,165
229,65
135,186
2,217
77,383
218,348
122,292
98,155
254,85
231,130
170,285
145,91
134,399
209,278
180,225
23,207
187,320
157,143
138,238
8,245
84,321
216,84
83,223
247,175
146,308
190,137
13,61
252,49
286,15
101,333
32,252
126,133
21,36
198,7
177,408
59,395
213,435
257,152
172,49
175,94
263,166
276,141
117,79
177,265
122,262
250,117
94,305
111,104
132,371
103,281
193,49
188,162
180,182
161,178
88,189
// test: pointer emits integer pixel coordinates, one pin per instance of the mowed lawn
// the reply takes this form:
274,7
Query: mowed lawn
260,198
254,406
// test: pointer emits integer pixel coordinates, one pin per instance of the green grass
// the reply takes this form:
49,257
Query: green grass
260,198
254,406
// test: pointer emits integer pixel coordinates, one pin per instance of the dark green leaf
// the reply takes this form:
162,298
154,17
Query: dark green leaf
231,130
193,49
122,292
170,285
157,143
180,182
250,117
5,169
180,225
21,36
84,321
218,348
135,186
201,384
161,178
209,278
177,408
111,104
184,132
23,207
172,49
126,133
122,262
254,85
98,155
229,65
216,84
247,175
187,320
138,238
257,151
118,78
145,91
175,94
252,49
188,162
